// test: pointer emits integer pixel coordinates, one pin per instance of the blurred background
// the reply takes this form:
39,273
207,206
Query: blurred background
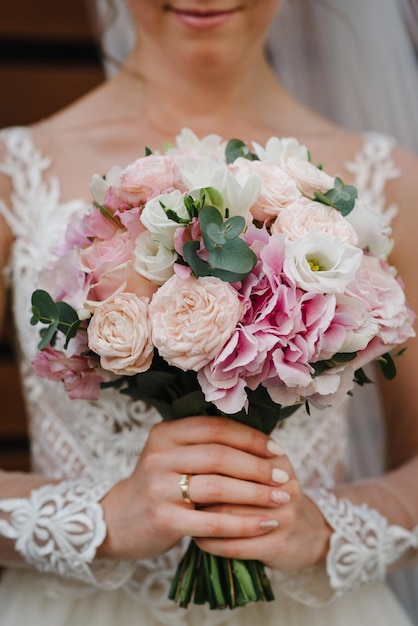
48,58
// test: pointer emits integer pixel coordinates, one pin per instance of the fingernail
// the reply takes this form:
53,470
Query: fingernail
279,476
275,448
280,497
269,524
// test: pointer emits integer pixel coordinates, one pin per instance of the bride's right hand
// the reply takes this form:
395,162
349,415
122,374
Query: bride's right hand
228,463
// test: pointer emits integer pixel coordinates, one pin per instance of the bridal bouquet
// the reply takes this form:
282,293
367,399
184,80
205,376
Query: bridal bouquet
221,278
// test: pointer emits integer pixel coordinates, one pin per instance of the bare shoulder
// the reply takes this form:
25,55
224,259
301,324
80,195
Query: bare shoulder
6,236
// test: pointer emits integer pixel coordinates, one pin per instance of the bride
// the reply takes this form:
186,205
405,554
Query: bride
93,534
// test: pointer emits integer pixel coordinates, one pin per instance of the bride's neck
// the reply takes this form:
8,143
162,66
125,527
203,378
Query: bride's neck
201,96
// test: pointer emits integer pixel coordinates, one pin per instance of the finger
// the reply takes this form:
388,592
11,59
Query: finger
223,460
206,430
258,548
211,488
195,523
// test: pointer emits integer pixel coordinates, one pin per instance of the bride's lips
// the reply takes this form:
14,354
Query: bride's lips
201,20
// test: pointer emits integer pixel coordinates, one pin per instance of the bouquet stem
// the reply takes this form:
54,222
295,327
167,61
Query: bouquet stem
219,581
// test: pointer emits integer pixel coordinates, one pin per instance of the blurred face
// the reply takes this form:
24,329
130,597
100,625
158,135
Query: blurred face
211,29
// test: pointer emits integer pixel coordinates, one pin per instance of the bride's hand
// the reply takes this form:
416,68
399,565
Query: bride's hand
300,540
228,462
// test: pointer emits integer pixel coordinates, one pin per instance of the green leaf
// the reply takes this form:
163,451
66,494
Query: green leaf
341,197
48,335
69,321
148,151
361,378
45,305
344,357
236,148
199,267
387,365
193,403
234,256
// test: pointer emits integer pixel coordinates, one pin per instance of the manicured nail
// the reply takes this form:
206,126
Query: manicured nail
269,524
280,497
275,448
279,476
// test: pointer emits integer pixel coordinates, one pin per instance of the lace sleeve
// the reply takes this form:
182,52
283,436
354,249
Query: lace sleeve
58,529
363,547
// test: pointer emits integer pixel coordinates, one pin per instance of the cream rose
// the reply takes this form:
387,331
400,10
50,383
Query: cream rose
302,218
277,191
120,333
308,177
192,319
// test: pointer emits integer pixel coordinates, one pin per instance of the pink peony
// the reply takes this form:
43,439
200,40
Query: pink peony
119,332
192,319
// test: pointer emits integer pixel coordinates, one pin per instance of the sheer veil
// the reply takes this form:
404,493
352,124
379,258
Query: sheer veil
356,62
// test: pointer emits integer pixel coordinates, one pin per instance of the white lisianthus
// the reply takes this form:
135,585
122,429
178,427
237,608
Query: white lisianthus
153,260
239,191
99,184
279,150
372,228
155,219
320,263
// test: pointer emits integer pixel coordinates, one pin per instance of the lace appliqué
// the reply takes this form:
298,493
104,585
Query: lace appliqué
58,528
363,544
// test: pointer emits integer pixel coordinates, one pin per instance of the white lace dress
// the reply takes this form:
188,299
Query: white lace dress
91,445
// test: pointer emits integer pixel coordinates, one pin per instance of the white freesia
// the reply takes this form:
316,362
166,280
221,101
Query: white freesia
320,263
188,143
239,192
99,184
372,228
155,219
279,150
153,260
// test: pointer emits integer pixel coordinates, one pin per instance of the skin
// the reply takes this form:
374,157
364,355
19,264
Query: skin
218,81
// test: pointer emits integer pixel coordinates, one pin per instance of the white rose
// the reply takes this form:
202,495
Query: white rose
304,217
308,177
321,263
279,150
155,218
100,185
153,260
372,228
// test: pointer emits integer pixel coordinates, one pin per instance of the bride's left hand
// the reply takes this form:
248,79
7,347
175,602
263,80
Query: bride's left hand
302,536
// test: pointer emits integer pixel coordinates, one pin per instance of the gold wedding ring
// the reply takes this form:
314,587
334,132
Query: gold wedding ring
184,487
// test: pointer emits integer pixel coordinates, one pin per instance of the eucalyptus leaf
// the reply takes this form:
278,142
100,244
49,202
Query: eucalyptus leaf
48,335
236,148
341,197
234,256
45,305
198,266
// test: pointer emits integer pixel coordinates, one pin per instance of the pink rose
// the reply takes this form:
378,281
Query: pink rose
304,217
148,177
192,319
119,332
